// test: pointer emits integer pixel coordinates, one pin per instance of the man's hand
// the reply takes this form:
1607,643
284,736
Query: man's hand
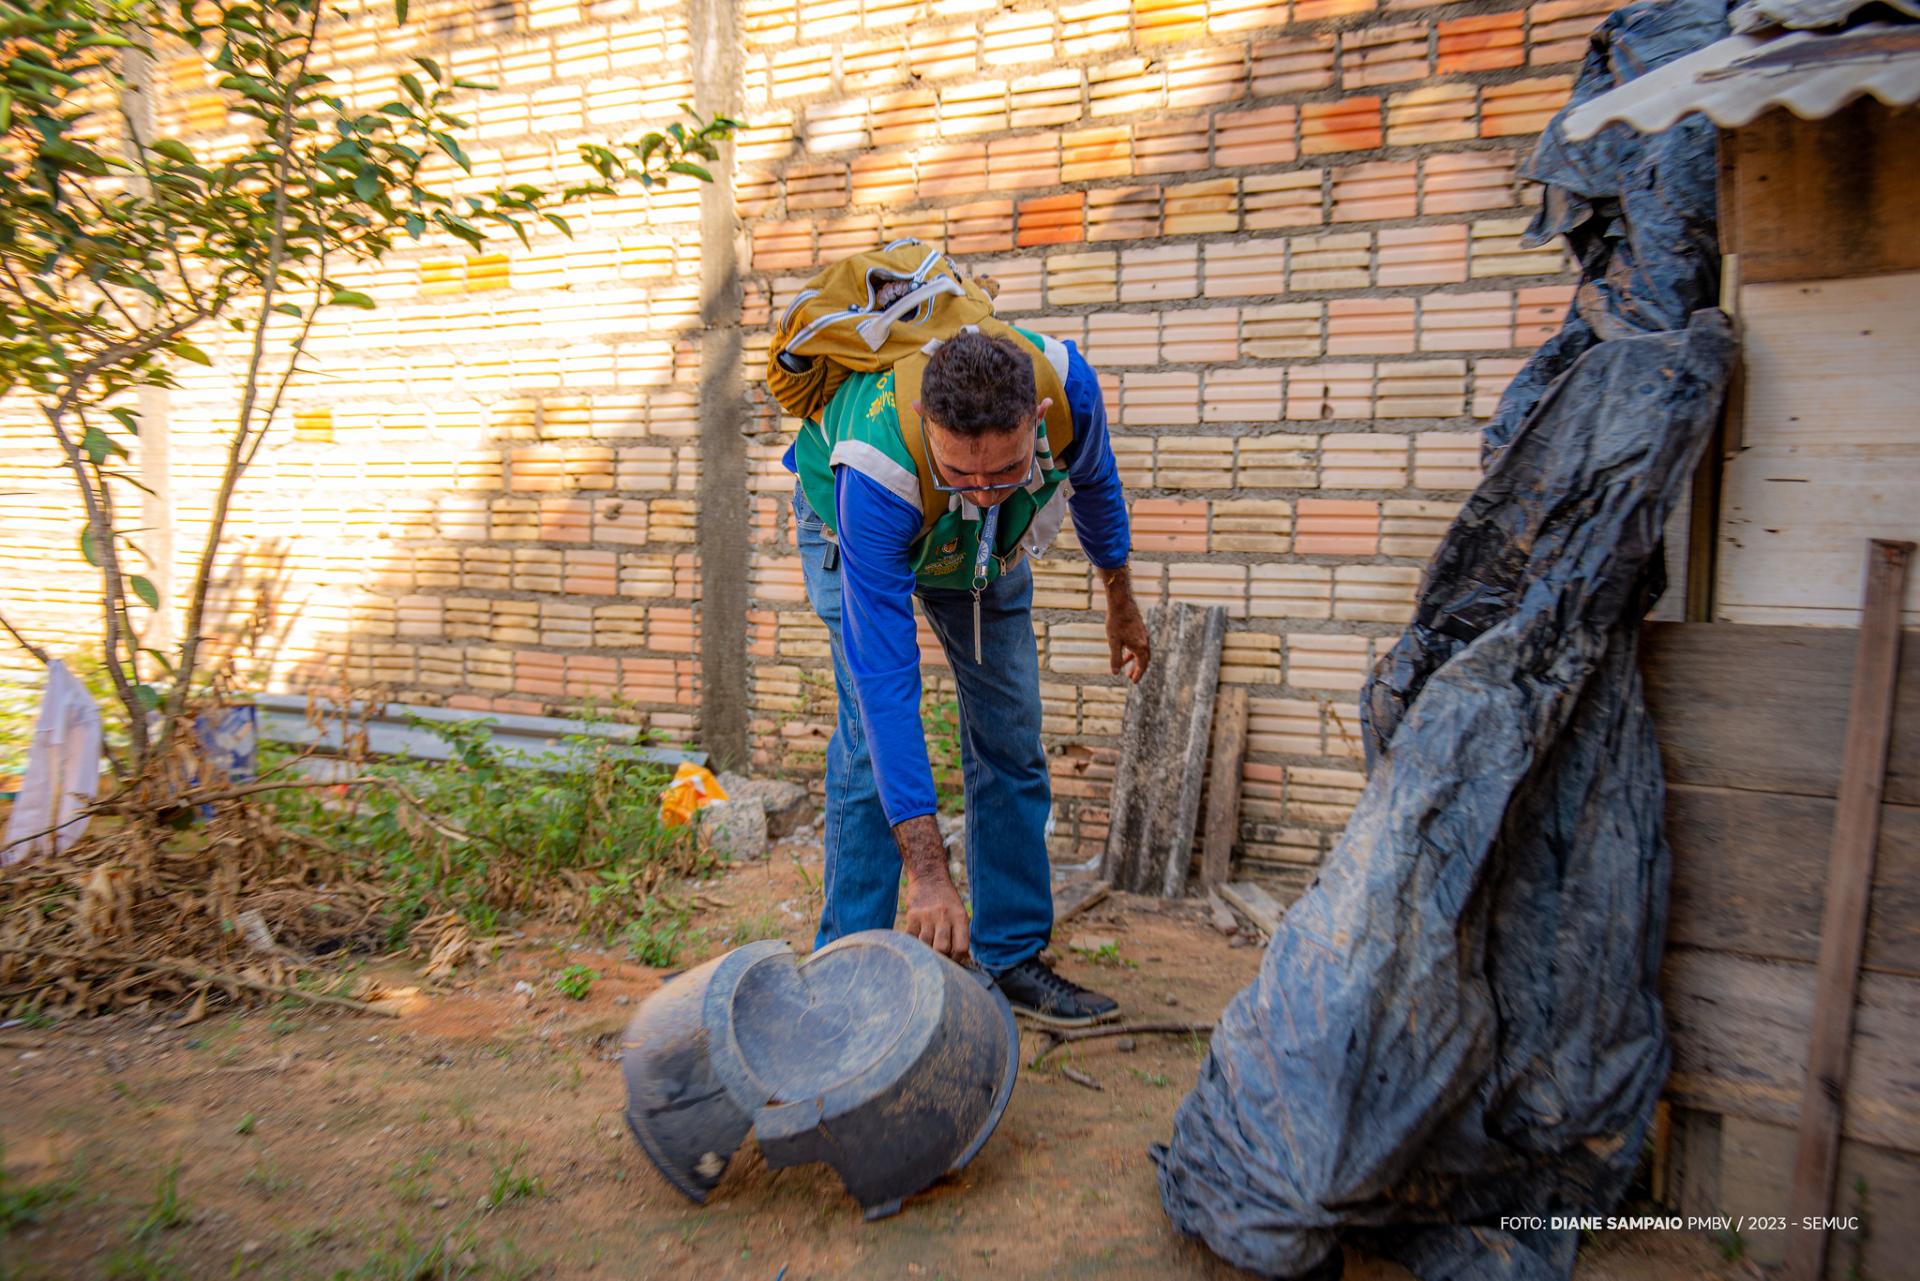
1128,647
935,914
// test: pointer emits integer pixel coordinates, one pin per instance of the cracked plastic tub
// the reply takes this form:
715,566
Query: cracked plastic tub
875,1055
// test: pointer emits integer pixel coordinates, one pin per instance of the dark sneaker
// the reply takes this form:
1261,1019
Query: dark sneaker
1040,994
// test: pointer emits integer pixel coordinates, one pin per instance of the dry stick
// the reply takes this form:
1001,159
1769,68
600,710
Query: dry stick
46,660
1062,1036
204,976
1080,1078
191,797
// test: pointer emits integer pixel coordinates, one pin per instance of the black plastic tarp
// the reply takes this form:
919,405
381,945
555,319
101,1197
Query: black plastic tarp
1458,1024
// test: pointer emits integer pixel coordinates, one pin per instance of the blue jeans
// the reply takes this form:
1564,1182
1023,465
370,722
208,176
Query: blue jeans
1004,767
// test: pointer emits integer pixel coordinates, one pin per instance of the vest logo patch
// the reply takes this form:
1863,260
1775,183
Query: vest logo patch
945,565
951,547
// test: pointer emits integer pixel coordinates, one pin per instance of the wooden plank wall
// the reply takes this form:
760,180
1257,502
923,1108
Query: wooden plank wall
1823,446
1751,721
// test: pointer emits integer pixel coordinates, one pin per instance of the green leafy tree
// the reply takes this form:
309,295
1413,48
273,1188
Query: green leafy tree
117,246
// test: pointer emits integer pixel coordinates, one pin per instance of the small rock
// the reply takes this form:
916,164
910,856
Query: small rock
441,1203
734,830
251,1247
785,803
1172,999
620,999
1126,1045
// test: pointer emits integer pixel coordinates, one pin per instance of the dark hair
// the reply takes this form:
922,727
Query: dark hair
976,384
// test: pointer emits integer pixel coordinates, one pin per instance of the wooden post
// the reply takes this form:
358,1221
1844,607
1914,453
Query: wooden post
1843,925
1223,786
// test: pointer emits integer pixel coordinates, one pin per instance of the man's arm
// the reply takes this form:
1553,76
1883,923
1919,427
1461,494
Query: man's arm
1099,507
876,530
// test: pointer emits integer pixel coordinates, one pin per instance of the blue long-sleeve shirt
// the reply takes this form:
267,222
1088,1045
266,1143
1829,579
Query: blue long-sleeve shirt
876,529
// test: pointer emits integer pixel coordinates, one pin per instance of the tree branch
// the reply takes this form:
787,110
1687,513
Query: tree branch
46,660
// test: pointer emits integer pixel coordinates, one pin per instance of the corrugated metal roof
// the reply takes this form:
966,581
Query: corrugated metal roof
1810,73
1755,16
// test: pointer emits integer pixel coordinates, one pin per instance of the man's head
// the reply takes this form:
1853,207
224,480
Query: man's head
981,410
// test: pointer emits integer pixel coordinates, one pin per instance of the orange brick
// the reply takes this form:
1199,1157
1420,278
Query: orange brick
1540,312
905,117
1291,199
952,169
1314,10
1126,88
937,53
1242,396
970,109
1383,54
1094,25
1052,220
882,179
1123,213
1169,400
1096,153
1123,338
1324,392
1157,275
1046,100
1168,21
1169,525
1522,106
1204,335
1363,460
1483,42
1369,326
1245,15
1446,460
1206,77
1336,527
868,65
1282,330
1292,64
1422,389
1337,261
1560,29
1463,182
928,225
1374,192
982,228
1432,113
1466,322
1031,160
1422,255
755,193
1170,146
816,187
1264,137
1351,124
1490,379
1244,268
1015,38
1198,208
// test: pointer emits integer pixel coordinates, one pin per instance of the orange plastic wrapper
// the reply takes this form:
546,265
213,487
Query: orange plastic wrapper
693,787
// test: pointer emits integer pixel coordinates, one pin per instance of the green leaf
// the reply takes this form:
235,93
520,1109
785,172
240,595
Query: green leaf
349,298
98,446
175,150
128,419
6,110
400,11
367,185
412,84
288,309
561,223
148,696
187,351
432,68
145,590
690,169
90,547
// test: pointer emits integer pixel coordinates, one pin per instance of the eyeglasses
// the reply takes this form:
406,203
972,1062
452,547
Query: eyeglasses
940,482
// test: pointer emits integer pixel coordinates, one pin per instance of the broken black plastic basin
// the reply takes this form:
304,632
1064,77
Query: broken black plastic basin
875,1055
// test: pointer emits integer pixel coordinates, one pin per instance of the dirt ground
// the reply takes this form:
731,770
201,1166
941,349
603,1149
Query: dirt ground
479,1134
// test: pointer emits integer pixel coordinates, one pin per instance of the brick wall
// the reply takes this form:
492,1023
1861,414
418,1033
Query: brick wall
1286,234
1288,237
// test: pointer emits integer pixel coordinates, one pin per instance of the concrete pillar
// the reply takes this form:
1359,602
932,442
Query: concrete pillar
723,522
